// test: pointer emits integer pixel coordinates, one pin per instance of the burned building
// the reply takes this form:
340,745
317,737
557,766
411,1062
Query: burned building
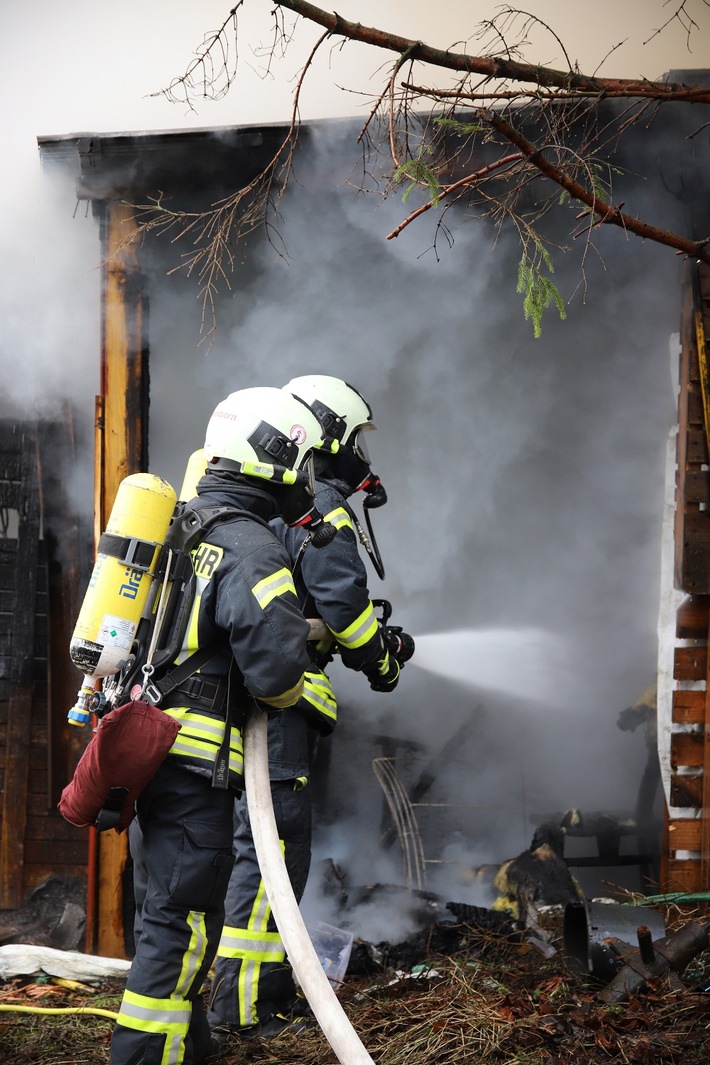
528,483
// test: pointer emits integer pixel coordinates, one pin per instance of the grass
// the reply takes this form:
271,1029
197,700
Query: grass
496,1002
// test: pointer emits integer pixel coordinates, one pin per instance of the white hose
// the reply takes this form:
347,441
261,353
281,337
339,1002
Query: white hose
301,953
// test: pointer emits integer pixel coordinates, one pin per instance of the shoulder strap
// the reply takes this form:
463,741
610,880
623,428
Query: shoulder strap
194,523
173,678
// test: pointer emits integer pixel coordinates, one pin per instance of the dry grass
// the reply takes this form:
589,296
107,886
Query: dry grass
498,1002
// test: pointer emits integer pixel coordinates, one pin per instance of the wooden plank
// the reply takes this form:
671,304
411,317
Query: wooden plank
64,852
679,535
689,707
687,749
697,486
684,875
697,447
693,618
686,791
17,753
705,809
68,565
121,443
42,825
690,663
684,835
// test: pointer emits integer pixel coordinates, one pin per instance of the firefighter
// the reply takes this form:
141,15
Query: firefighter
253,991
245,609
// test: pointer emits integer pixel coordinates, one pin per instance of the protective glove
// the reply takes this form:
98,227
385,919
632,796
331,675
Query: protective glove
398,642
384,675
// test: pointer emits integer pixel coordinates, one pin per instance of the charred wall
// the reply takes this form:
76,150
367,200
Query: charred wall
43,564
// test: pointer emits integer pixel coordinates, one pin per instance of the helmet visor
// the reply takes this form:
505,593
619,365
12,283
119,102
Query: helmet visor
308,468
359,443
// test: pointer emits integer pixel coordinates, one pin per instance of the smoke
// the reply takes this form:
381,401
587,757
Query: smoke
49,299
525,480
525,477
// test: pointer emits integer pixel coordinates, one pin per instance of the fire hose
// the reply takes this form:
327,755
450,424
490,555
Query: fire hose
315,985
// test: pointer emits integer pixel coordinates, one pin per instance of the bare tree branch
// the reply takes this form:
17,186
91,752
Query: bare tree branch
602,212
459,150
494,66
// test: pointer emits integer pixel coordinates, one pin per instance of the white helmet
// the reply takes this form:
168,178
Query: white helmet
266,433
344,417
342,412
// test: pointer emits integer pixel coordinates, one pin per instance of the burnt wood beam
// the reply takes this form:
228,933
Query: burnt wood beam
121,449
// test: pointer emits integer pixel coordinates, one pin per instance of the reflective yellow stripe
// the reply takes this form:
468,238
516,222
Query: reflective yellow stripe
200,738
250,945
190,643
361,630
287,698
170,1015
383,667
278,583
269,472
195,953
339,518
251,962
318,691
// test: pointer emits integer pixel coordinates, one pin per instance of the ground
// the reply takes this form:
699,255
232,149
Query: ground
494,1000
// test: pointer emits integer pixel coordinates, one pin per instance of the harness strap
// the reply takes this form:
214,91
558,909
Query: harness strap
157,689
136,553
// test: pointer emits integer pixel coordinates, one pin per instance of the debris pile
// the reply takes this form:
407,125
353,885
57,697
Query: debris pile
54,915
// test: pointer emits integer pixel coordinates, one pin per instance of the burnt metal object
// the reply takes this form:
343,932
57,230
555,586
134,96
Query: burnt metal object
591,930
670,956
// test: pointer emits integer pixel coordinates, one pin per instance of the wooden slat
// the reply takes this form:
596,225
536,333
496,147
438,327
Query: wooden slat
687,749
690,663
44,826
683,875
694,408
686,792
64,852
684,835
122,446
17,753
705,809
697,448
693,618
697,486
689,707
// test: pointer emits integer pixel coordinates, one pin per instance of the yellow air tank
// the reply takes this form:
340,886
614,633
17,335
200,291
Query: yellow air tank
196,466
126,557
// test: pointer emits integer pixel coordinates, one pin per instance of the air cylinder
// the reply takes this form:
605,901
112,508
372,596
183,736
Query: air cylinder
126,558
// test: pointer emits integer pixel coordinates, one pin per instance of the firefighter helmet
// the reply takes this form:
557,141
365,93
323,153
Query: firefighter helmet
264,433
342,412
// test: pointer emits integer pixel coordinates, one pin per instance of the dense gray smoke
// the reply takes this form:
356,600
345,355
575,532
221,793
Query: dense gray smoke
525,477
49,309
525,480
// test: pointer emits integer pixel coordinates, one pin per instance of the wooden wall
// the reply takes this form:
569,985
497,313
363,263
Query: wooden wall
40,573
684,692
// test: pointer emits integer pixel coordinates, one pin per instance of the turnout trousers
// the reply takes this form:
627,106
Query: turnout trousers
181,844
253,980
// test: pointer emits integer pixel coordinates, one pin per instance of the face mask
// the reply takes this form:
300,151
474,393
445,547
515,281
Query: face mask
349,467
